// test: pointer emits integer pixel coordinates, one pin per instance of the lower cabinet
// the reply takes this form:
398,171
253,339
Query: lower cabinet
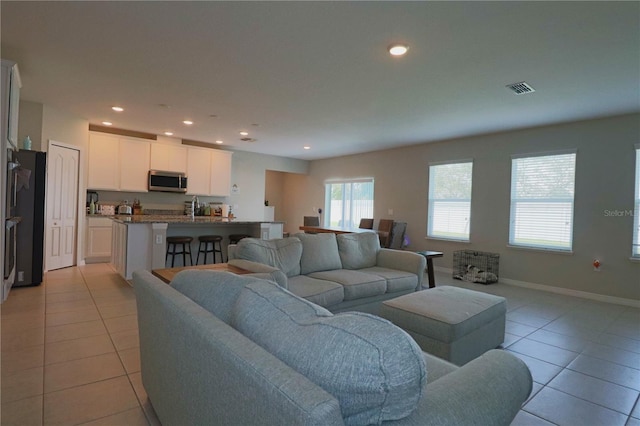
99,232
119,248
131,248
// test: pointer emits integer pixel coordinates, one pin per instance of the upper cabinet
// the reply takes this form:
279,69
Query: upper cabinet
220,173
170,158
118,163
209,172
198,171
134,165
104,157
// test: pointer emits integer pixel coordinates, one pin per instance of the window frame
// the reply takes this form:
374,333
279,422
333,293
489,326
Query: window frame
512,203
327,203
431,201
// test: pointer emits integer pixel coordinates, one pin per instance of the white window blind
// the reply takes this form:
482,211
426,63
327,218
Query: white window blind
449,211
542,194
636,213
346,202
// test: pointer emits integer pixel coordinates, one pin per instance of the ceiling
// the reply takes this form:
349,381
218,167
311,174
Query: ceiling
319,74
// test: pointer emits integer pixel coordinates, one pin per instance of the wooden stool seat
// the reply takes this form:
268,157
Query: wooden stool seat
172,249
203,247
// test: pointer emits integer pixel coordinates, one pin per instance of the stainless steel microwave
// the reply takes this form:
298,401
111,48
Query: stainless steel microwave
160,180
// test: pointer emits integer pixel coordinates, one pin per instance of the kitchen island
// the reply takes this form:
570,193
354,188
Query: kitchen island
139,241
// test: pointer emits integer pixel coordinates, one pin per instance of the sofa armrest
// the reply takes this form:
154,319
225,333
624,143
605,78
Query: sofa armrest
403,261
260,270
488,390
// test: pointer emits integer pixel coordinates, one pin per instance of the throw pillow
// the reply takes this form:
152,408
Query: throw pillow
373,368
215,291
358,250
319,253
283,254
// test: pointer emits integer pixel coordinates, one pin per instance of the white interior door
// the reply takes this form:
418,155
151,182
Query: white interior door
62,206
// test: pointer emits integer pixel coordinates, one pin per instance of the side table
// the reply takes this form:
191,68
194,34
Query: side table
429,255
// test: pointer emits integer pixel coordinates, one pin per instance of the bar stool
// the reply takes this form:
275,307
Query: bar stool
206,240
172,246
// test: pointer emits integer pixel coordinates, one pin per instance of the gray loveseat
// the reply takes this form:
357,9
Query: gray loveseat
222,349
341,273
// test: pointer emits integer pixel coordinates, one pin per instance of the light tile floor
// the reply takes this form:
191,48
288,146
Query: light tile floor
70,355
70,352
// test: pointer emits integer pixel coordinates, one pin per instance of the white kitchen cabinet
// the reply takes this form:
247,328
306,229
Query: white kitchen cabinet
104,162
119,248
220,173
99,232
199,171
171,158
134,165
118,163
131,249
209,172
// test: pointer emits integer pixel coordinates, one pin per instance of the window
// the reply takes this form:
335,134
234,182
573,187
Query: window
449,201
542,189
346,202
636,214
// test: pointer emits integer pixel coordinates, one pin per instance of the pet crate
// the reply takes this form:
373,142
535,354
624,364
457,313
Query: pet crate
476,266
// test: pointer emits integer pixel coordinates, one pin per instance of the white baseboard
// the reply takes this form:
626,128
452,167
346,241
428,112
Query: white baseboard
559,290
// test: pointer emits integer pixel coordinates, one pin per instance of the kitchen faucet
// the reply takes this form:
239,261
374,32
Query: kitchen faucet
194,202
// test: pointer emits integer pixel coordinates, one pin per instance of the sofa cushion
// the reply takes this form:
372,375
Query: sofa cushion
356,284
374,369
321,292
319,253
283,254
358,250
215,291
396,280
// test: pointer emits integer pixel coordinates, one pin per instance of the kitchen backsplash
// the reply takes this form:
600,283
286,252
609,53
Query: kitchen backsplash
154,202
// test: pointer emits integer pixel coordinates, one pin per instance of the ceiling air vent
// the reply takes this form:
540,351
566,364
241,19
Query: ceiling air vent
248,139
520,88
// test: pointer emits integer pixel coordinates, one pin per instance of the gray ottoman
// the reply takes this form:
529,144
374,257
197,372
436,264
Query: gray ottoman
450,322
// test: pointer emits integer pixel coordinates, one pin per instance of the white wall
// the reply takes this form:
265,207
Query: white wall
248,172
604,181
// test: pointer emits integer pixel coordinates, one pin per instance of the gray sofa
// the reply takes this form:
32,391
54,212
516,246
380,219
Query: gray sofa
341,273
224,349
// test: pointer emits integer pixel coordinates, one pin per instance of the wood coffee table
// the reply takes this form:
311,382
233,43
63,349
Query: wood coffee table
167,274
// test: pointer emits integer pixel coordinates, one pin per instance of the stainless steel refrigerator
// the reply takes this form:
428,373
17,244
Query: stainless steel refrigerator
30,199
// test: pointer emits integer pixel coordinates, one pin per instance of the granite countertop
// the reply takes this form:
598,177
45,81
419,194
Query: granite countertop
183,219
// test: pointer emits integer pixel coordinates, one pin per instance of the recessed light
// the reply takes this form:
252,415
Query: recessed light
244,133
398,49
213,116
107,123
219,142
117,108
307,147
168,133
188,122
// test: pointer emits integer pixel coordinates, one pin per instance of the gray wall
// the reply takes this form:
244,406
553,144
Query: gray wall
604,181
